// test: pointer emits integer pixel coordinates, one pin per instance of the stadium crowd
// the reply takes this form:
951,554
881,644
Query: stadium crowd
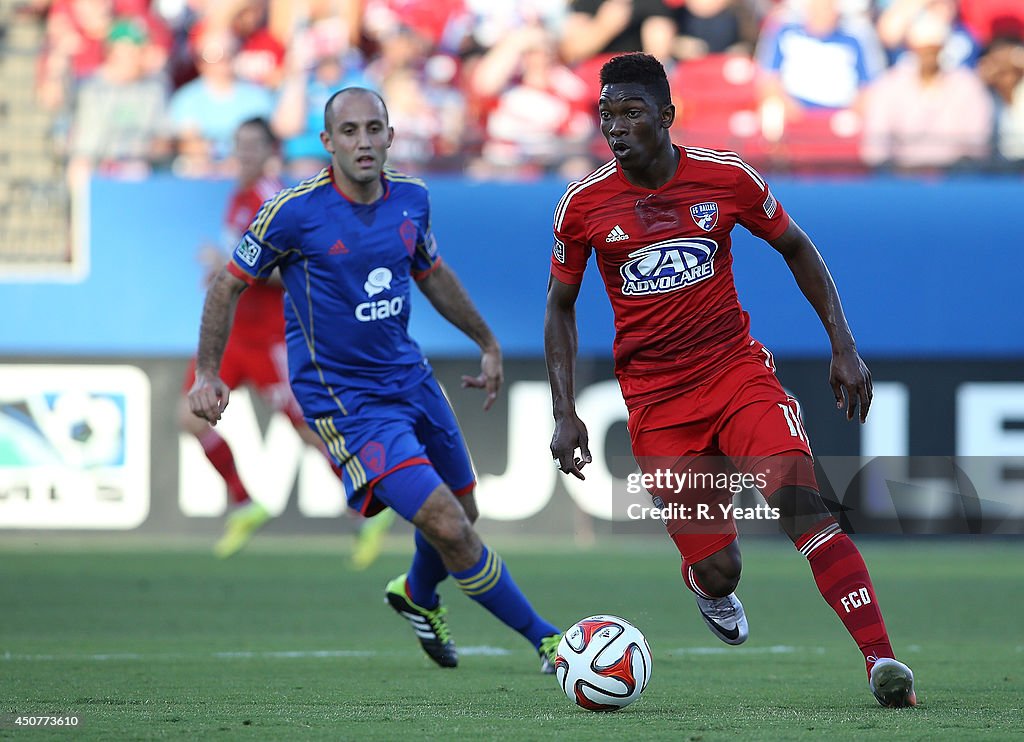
507,88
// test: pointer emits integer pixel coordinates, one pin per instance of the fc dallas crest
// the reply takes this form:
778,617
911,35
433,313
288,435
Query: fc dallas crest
705,215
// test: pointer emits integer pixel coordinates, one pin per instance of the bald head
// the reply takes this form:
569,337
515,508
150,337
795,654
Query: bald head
339,99
357,136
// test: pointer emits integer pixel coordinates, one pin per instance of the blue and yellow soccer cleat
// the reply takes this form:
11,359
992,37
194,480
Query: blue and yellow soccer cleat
548,650
240,526
370,540
430,626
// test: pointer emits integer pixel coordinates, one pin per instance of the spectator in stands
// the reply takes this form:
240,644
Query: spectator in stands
492,20
400,47
1002,69
76,43
443,23
431,111
961,48
990,20
540,119
597,30
159,39
711,27
813,61
206,111
181,17
299,115
120,116
260,57
76,36
602,28
319,28
425,104
919,115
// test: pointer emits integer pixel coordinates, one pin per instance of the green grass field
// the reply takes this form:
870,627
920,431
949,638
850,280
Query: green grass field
164,642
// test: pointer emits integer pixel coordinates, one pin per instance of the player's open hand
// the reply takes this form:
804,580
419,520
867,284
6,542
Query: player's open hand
570,434
850,380
208,397
490,378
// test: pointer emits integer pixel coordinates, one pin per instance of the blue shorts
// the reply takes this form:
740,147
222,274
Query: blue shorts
393,452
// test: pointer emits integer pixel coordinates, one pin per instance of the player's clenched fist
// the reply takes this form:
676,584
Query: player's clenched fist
208,398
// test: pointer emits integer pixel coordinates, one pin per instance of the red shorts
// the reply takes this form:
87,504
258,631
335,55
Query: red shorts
739,429
263,368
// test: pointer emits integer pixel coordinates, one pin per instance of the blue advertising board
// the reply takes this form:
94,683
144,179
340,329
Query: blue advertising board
925,269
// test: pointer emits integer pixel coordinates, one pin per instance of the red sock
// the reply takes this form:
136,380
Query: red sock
219,454
843,580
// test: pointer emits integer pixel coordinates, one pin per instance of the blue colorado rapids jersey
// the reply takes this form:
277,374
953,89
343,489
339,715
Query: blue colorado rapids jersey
348,269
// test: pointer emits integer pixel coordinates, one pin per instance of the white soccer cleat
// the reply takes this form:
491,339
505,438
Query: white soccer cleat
725,618
892,683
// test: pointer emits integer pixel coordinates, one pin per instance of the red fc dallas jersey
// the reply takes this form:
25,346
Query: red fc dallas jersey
666,260
259,316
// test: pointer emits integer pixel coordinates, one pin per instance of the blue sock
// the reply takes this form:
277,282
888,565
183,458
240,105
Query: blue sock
425,574
490,584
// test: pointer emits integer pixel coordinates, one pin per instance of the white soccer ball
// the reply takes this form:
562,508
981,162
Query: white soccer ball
603,664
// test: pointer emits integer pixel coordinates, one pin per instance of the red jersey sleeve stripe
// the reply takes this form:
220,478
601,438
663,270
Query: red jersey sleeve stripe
725,158
574,188
420,275
237,272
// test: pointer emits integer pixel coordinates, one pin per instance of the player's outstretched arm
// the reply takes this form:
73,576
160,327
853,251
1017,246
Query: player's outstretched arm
209,395
848,376
445,291
561,340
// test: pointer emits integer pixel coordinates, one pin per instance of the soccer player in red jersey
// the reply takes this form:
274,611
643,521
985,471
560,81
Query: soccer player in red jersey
256,354
701,393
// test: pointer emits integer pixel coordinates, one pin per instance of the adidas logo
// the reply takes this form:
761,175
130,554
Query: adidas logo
420,625
616,235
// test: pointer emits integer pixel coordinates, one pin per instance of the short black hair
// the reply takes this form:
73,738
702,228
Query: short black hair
352,89
263,125
638,69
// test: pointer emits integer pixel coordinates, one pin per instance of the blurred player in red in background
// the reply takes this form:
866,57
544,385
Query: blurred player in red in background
700,391
256,355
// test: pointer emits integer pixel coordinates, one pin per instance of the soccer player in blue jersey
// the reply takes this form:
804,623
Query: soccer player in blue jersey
349,243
